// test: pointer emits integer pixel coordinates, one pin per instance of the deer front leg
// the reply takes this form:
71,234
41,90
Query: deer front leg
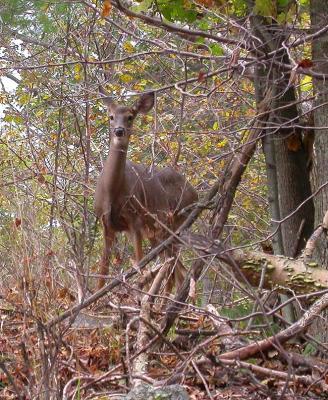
109,237
136,239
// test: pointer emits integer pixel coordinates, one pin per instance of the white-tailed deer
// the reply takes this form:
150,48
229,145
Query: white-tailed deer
132,198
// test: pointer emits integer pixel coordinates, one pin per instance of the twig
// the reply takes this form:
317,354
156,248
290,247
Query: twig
310,244
202,378
11,380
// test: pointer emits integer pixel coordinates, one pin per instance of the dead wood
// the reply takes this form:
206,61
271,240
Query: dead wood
297,328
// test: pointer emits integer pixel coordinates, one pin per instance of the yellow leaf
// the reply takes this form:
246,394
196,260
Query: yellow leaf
77,72
106,9
3,98
222,143
139,87
306,83
126,78
128,47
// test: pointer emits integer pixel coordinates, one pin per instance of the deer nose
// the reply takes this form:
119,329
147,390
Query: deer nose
119,132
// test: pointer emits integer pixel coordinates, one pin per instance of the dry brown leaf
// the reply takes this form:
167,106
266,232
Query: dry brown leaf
41,178
206,3
18,222
294,143
107,6
201,76
306,63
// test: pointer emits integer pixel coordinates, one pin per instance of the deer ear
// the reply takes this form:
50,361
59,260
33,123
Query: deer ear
106,98
145,103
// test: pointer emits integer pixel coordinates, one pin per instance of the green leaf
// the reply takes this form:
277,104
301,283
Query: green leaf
216,49
62,8
143,6
266,8
41,4
203,25
309,349
239,7
126,78
282,3
177,10
13,118
200,40
46,23
281,18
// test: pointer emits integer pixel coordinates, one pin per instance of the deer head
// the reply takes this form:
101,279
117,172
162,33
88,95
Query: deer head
122,117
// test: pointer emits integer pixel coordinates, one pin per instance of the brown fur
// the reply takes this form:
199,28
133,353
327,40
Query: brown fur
132,198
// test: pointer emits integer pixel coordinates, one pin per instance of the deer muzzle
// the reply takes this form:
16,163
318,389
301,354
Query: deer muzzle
119,132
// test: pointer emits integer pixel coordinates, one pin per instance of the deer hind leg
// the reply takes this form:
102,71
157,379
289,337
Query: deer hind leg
109,238
176,270
171,273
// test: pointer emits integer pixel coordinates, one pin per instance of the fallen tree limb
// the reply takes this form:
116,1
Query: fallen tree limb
281,271
297,328
297,275
316,366
228,337
284,376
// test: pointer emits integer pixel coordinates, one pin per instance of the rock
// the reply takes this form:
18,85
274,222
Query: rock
148,392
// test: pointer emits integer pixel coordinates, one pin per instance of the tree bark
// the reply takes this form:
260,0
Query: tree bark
286,158
319,16
286,165
279,272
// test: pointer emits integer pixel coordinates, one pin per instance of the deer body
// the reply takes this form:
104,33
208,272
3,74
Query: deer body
132,198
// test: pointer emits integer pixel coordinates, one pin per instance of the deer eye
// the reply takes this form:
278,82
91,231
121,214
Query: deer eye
130,118
111,117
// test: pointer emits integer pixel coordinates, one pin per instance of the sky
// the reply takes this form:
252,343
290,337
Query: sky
7,83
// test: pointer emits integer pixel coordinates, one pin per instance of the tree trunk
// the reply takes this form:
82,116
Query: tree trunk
286,157
319,12
286,160
292,175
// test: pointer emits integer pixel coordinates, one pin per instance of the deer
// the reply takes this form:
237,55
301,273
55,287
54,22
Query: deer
142,202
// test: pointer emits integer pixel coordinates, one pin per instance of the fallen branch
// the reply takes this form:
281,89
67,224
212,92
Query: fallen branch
228,337
292,331
310,245
284,376
281,271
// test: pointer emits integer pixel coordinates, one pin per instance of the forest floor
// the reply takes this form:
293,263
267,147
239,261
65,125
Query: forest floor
33,358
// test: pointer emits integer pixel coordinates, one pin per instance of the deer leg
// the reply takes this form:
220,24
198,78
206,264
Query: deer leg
136,239
177,270
109,237
148,277
179,273
172,270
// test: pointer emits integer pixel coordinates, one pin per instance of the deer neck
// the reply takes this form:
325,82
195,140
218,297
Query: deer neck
115,171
